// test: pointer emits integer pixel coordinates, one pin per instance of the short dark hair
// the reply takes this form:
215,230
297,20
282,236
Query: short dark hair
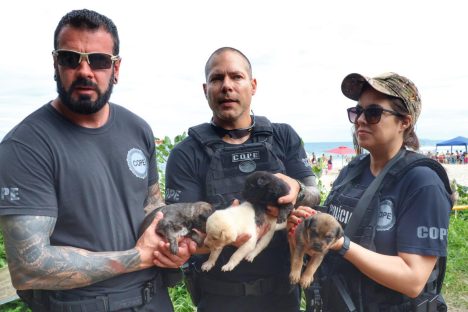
87,19
224,49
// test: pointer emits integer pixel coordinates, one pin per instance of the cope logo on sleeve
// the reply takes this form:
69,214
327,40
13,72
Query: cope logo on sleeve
137,163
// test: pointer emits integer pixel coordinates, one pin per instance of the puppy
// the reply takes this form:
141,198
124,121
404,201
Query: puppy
314,235
179,220
262,189
224,226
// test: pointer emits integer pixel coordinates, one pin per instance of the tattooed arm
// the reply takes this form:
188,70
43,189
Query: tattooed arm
35,264
154,199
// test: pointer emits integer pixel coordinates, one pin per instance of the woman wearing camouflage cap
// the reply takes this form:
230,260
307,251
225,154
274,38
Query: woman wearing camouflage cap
393,204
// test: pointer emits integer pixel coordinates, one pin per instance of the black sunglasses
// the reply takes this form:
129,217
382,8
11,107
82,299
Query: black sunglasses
373,113
96,60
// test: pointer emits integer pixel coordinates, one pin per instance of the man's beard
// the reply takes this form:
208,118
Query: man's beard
84,105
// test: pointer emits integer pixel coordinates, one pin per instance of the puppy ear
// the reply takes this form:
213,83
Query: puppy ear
262,181
339,232
309,222
222,235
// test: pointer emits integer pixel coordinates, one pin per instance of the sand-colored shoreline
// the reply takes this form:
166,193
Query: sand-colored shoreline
457,172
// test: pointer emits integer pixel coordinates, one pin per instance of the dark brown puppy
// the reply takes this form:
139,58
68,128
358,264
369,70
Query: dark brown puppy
179,220
314,236
262,189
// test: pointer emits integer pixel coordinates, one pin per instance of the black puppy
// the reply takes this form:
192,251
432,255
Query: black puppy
262,189
179,220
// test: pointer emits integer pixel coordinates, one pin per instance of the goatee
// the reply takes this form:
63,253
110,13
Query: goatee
84,105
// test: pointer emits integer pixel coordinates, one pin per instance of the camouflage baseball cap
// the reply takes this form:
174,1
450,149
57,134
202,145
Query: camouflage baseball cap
389,83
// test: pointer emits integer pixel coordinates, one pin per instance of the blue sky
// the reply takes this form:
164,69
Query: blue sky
300,52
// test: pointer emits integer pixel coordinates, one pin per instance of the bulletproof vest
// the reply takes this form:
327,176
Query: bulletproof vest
365,233
231,164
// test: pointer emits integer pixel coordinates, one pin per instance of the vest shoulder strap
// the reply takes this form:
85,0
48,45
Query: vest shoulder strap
204,134
355,168
413,159
262,127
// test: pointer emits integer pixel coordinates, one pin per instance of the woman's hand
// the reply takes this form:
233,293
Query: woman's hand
296,217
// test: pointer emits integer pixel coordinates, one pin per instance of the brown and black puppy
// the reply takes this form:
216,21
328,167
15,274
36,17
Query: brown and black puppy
314,236
179,220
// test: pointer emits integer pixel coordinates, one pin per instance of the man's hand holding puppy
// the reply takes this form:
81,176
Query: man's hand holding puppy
164,258
302,193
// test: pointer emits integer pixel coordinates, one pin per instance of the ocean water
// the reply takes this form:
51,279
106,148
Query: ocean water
320,148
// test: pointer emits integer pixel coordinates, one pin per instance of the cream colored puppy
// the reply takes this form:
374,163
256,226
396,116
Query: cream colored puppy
224,226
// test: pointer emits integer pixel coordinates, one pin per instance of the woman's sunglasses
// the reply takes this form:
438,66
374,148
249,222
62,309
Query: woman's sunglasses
373,113
96,60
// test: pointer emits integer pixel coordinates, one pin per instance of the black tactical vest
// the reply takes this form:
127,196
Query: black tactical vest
366,294
230,164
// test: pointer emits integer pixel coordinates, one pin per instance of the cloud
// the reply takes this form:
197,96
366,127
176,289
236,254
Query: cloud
300,51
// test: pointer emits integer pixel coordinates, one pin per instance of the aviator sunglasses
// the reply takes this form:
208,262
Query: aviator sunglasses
96,60
373,113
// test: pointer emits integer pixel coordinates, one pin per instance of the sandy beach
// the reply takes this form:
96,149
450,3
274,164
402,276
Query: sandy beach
457,172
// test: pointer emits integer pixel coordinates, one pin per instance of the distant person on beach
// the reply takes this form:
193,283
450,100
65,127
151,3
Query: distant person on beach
76,178
394,259
211,164
330,163
313,159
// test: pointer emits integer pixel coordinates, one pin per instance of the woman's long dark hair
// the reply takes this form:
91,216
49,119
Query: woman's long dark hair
410,139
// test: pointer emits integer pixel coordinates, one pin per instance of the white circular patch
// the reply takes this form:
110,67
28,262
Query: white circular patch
247,166
386,218
137,163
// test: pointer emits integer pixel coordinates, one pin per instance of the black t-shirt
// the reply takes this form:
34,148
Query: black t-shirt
186,171
94,181
413,214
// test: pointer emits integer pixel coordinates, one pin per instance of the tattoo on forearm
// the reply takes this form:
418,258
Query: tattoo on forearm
35,264
154,199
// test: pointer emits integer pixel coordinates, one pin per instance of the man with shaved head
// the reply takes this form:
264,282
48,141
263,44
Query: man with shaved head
212,163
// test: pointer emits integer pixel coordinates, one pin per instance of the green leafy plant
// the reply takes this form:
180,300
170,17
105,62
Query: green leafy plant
462,194
181,299
163,149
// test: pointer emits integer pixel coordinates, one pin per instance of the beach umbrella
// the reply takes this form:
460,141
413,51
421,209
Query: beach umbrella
342,150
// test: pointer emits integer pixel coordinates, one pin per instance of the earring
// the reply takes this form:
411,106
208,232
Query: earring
115,80
55,77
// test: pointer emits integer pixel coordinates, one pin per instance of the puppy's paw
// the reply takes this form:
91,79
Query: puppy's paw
294,277
305,282
251,256
228,267
206,266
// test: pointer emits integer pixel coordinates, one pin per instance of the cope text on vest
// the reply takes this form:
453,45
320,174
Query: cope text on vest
236,157
9,193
